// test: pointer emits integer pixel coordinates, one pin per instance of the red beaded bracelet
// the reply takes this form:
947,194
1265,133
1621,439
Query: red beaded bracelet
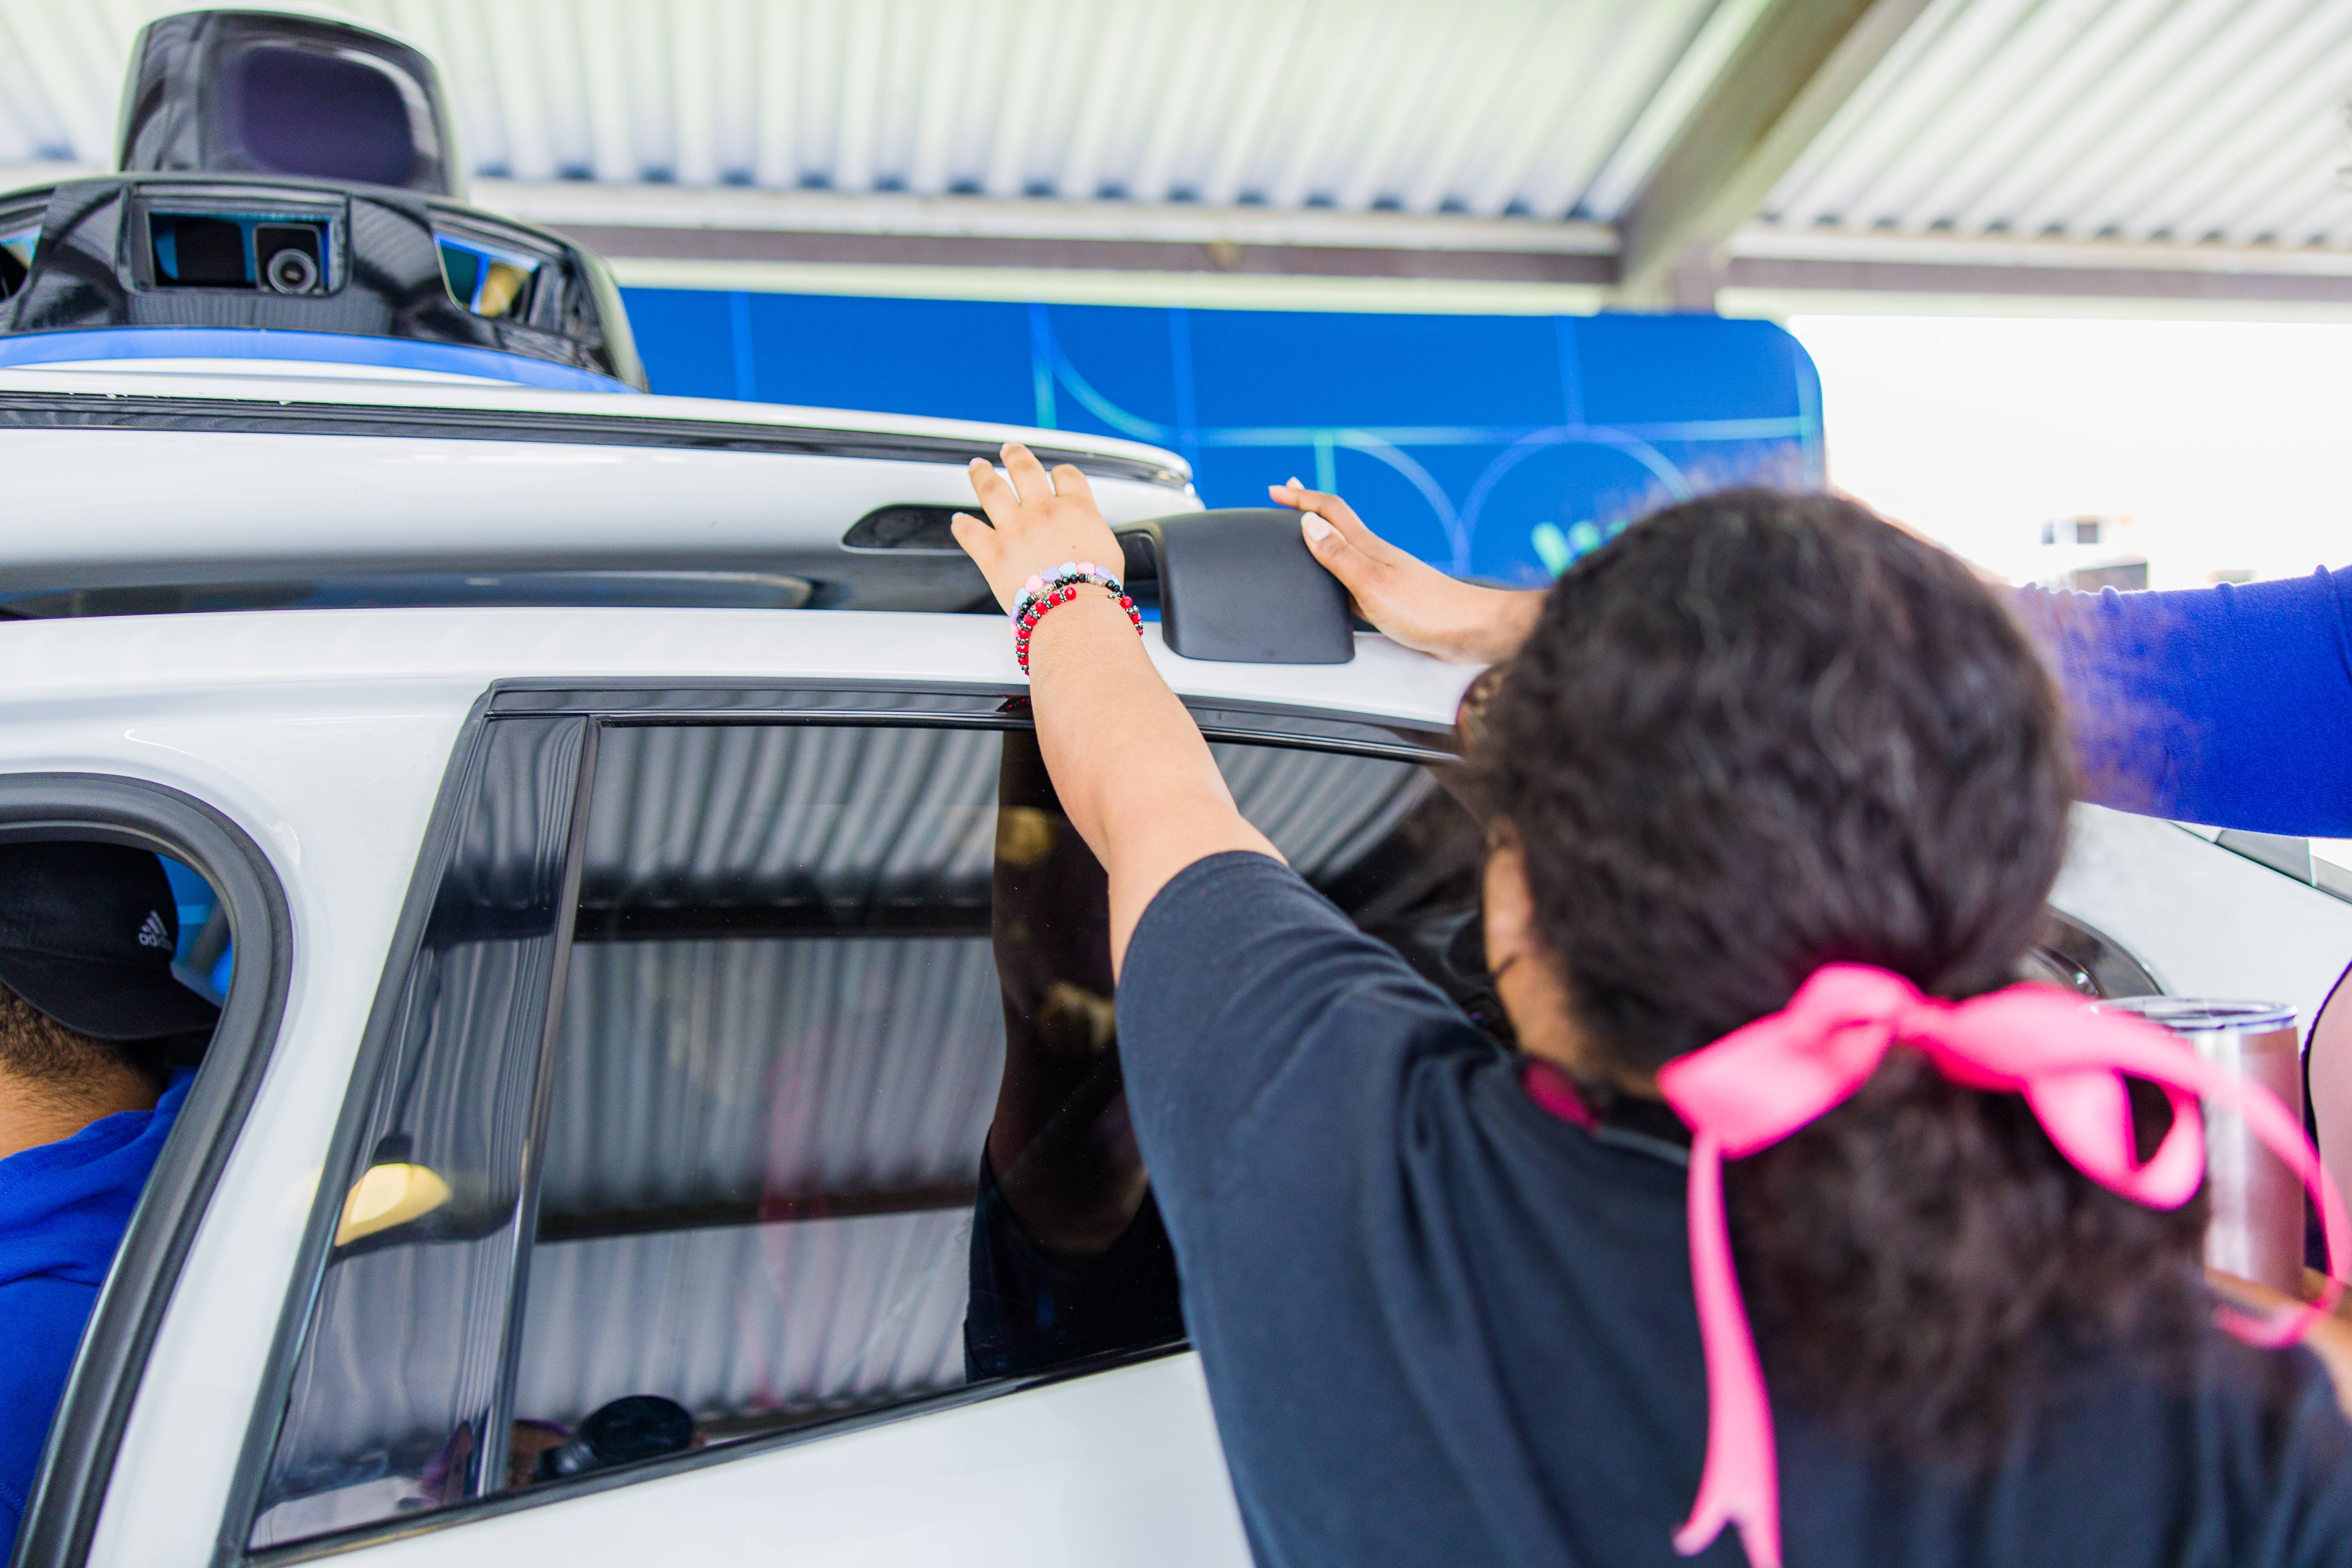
1062,590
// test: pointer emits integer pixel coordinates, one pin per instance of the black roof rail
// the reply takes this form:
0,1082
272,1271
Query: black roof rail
1239,586
1234,587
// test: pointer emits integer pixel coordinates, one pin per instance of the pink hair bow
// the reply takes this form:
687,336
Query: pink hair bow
1762,1082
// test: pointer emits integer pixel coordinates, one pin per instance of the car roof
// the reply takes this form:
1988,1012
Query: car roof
323,663
172,479
281,381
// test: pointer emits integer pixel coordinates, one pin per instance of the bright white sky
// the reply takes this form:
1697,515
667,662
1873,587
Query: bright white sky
2230,442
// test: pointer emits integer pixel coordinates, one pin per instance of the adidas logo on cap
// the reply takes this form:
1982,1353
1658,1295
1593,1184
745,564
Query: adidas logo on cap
151,932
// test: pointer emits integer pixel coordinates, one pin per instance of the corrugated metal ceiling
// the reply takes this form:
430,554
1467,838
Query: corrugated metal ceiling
2156,122
1503,106
2140,120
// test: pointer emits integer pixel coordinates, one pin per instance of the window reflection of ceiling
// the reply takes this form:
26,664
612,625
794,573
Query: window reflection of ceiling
814,1316
763,1147
725,815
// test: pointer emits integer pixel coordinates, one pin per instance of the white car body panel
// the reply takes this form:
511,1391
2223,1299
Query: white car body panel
257,500
2204,922
325,734
1122,1466
275,381
246,369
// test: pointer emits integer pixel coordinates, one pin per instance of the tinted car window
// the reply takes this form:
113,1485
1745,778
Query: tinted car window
837,1120
403,1360
832,1114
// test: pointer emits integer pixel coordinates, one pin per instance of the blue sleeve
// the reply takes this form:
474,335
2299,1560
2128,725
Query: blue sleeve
41,1319
2230,706
1240,981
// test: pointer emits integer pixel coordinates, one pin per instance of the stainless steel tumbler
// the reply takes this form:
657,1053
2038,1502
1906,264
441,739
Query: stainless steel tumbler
2257,1228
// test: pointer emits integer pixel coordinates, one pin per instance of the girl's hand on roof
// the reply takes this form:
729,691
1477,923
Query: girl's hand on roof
1035,522
1408,599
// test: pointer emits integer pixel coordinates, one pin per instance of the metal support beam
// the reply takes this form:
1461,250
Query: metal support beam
1801,61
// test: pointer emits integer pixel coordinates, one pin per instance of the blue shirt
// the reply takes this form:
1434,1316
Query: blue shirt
63,1209
1443,1325
2231,706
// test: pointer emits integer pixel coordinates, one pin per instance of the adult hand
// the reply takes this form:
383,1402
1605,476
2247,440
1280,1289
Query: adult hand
1036,521
1408,599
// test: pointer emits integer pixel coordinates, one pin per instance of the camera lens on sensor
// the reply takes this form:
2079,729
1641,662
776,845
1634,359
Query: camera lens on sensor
291,272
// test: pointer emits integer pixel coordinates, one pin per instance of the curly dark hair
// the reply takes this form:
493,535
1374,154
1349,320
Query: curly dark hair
1761,732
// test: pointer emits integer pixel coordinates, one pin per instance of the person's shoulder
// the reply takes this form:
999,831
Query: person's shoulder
1245,991
2260,1383
2280,1445
1245,925
1236,885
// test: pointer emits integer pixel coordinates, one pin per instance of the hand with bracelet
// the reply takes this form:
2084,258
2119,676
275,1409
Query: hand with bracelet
1134,775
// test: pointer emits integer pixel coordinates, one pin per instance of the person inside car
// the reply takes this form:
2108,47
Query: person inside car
92,1024
1775,793
1068,1254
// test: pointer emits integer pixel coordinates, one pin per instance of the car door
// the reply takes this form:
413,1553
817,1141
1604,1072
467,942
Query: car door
740,1167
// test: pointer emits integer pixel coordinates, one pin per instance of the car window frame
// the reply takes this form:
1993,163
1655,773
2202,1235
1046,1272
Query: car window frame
897,704
76,1465
458,782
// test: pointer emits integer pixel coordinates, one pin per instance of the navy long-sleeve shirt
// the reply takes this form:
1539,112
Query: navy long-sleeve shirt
2230,706
1444,1321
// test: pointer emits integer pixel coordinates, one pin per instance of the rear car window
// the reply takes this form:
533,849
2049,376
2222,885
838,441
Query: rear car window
787,1096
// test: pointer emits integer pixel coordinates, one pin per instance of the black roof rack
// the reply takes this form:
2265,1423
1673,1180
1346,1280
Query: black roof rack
1234,587
1239,585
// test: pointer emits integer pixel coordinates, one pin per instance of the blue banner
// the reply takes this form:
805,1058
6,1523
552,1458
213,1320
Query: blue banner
1498,447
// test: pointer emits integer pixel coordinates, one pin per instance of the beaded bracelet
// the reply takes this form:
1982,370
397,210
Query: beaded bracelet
1059,586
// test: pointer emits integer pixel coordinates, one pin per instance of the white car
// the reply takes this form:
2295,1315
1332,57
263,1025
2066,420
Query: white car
613,1012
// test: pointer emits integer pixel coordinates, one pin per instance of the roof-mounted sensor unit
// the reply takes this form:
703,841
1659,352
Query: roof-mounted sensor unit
253,92
294,174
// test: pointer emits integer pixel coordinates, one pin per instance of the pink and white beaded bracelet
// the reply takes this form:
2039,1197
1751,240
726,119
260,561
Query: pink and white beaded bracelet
1059,586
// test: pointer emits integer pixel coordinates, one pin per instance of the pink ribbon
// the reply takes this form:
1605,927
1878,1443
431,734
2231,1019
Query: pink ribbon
1762,1082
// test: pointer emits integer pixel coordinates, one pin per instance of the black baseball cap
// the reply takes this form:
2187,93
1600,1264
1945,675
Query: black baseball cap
86,933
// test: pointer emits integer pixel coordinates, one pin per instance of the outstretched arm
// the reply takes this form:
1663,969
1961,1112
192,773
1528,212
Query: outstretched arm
1134,775
2229,705
1411,601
